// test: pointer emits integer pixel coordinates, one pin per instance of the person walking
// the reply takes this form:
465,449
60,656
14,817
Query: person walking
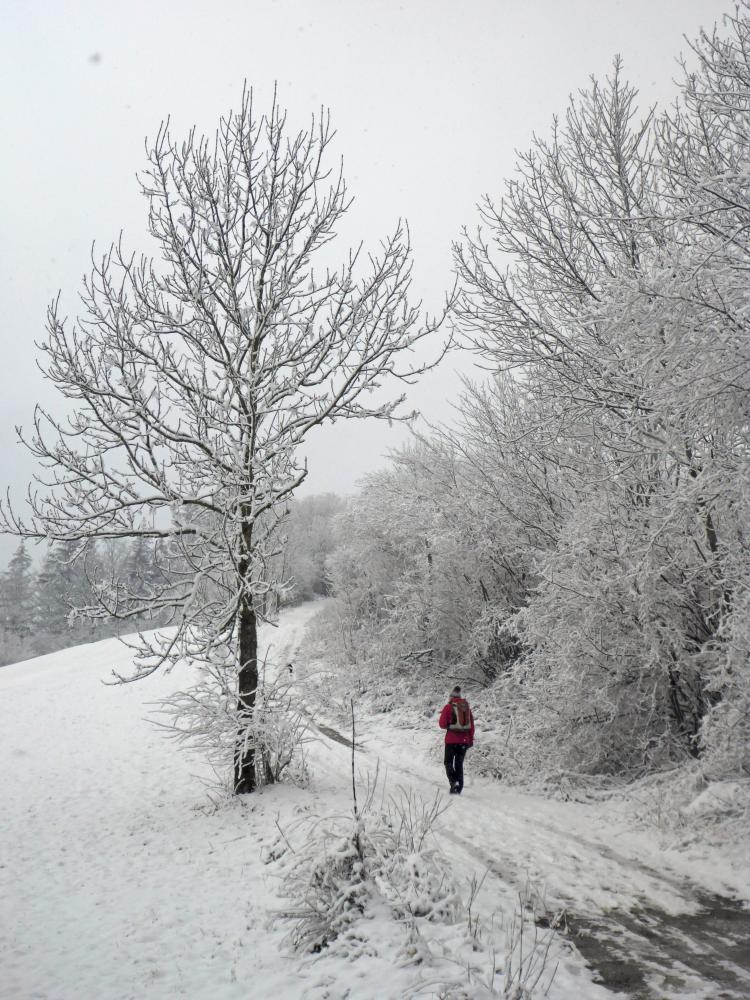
458,722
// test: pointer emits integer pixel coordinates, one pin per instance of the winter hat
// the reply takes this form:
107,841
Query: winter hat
456,692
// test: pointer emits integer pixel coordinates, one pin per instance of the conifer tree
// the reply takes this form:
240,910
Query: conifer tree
18,593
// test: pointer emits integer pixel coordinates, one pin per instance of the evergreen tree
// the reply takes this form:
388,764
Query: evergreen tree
18,593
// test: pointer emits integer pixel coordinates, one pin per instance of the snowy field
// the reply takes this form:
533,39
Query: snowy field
121,877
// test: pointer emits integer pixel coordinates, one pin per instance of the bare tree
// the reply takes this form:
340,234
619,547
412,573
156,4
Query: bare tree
195,378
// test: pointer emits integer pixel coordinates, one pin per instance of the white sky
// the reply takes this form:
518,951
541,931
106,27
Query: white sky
430,99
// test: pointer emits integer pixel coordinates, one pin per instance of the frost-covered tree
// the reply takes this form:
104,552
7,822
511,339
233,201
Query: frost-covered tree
596,485
705,146
426,565
310,538
195,378
579,218
574,216
628,329
383,573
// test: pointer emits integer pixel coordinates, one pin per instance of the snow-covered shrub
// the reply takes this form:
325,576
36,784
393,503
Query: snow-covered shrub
687,805
345,867
206,718
280,730
327,884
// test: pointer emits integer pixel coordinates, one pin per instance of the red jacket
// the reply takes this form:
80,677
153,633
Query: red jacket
464,737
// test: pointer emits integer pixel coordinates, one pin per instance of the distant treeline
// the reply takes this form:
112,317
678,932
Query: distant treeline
58,603
43,609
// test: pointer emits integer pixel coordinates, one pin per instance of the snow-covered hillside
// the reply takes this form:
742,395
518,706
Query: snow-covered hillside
121,878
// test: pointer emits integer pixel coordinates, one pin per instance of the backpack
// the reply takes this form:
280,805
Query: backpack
461,716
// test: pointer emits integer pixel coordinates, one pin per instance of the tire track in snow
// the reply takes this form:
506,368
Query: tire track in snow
644,950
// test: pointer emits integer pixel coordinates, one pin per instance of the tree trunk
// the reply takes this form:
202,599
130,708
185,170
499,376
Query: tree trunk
244,761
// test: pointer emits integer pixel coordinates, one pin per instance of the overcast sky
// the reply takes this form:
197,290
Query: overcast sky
430,99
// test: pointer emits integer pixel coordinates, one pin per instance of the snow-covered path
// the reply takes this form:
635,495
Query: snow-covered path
653,923
119,879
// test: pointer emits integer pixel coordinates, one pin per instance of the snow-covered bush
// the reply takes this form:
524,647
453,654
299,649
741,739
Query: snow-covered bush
326,883
374,877
206,718
341,868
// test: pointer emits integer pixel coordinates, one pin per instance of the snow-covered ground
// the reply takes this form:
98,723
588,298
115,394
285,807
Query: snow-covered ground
121,878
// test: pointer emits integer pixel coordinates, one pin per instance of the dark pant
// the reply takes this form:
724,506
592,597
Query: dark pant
454,763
